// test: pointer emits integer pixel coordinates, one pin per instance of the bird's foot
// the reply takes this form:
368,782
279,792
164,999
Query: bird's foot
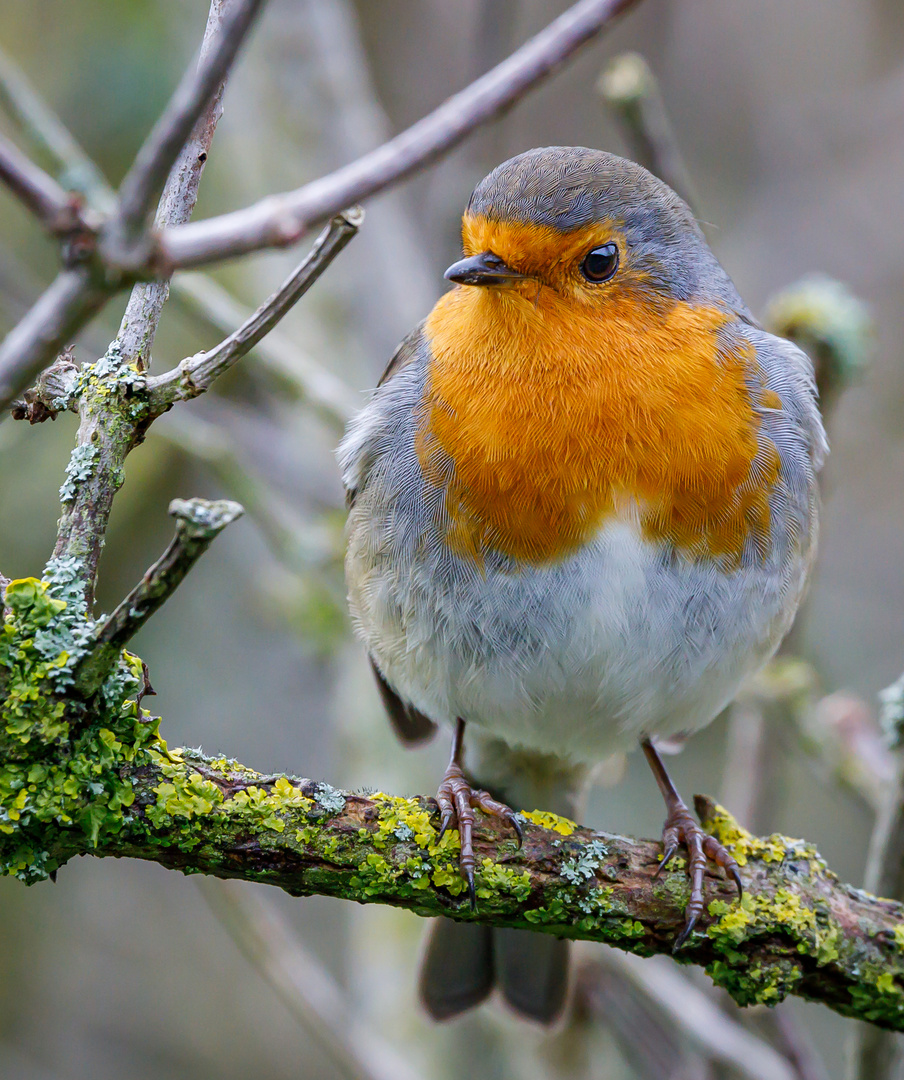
681,828
457,802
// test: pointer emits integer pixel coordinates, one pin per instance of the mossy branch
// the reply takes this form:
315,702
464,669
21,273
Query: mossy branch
93,777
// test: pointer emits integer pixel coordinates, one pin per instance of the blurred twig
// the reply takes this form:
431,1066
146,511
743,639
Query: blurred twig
693,1014
50,136
303,984
875,1055
37,191
300,377
629,88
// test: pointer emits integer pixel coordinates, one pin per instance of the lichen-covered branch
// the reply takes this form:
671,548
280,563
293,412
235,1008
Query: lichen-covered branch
92,776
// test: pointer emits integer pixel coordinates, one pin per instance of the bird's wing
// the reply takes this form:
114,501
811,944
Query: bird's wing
410,725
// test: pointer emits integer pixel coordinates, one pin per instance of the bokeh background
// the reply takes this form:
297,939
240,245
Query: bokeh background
790,118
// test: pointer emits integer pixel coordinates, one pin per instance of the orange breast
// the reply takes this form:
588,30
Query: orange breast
556,417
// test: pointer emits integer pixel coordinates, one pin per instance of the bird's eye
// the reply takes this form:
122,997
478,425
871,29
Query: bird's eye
601,263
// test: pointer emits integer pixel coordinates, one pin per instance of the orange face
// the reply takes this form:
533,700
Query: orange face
561,403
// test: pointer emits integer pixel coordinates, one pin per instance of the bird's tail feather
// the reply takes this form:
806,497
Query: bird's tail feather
464,962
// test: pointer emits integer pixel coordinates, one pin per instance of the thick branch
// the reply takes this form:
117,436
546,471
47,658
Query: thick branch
283,219
798,930
196,374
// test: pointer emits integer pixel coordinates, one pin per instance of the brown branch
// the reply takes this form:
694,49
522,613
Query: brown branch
798,931
197,373
280,220
201,83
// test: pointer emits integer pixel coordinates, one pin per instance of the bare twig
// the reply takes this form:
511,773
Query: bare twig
303,984
142,314
283,219
198,523
695,1015
301,377
40,193
629,88
144,182
196,374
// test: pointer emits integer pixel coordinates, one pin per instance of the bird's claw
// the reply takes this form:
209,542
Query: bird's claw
457,801
681,828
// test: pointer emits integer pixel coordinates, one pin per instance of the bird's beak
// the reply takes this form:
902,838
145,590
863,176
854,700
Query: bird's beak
483,269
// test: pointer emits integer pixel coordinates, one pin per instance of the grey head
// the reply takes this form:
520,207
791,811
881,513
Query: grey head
571,187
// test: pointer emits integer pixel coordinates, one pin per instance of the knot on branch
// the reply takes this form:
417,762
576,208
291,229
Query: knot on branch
53,393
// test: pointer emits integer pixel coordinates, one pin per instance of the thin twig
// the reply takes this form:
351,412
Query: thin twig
198,523
144,182
40,193
280,220
299,376
46,328
303,984
196,374
177,203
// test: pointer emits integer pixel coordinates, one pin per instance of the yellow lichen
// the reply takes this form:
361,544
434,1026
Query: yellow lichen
550,821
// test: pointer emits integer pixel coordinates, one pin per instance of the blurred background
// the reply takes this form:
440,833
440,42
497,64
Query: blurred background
790,119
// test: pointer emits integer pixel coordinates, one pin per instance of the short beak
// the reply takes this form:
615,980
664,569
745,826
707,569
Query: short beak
483,269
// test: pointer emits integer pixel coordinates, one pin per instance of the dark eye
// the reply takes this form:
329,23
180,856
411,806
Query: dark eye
601,263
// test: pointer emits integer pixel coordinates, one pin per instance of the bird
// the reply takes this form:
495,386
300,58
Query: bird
583,508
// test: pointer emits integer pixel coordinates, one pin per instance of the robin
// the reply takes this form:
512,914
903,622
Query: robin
583,509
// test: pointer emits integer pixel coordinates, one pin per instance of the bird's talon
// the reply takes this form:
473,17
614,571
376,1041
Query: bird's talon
685,933
472,891
516,825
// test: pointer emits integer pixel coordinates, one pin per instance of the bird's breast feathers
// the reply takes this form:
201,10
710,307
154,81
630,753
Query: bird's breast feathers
542,419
